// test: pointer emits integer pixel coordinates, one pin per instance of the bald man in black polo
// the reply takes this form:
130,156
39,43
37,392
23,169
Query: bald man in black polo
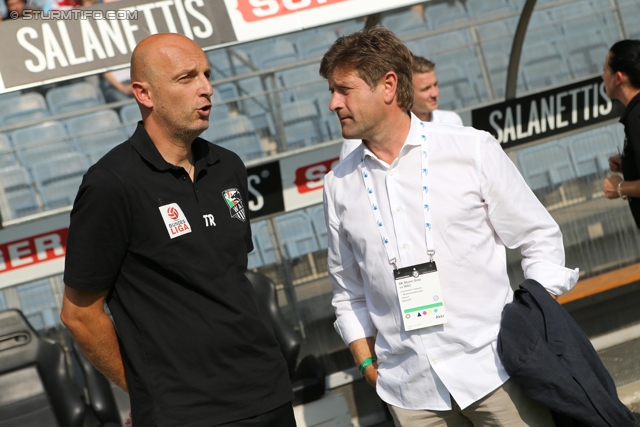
160,232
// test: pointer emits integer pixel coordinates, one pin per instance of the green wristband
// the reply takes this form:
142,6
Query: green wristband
365,364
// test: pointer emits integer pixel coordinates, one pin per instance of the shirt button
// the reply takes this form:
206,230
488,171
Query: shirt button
398,209
435,361
404,246
392,172
184,178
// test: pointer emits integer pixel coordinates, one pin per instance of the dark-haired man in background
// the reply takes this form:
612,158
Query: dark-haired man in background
621,77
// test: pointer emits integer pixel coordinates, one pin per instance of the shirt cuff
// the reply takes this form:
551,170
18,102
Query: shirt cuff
354,325
555,279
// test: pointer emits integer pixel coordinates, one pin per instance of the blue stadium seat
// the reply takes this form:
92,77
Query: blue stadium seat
7,158
20,194
236,134
543,66
349,27
456,77
316,214
59,178
96,133
316,43
445,14
23,108
73,97
281,52
486,8
405,23
40,142
130,116
301,124
219,109
590,152
256,103
631,17
260,233
296,234
303,83
221,66
585,52
545,165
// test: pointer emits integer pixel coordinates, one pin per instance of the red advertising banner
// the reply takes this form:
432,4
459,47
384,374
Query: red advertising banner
256,10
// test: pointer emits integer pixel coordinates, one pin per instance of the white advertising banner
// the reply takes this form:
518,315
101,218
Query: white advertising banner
303,176
255,19
34,249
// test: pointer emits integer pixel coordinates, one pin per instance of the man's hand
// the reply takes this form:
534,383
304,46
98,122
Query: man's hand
615,163
361,349
610,186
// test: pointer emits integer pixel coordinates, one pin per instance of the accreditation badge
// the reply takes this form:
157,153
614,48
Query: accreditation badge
420,296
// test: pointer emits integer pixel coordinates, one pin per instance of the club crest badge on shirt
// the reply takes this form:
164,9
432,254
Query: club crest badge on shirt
175,220
234,201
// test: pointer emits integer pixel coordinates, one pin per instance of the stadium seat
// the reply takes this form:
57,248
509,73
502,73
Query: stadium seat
545,165
315,44
256,103
221,65
585,52
301,122
349,27
302,83
40,142
316,213
445,14
296,234
486,8
23,108
543,66
405,23
281,52
7,157
73,97
96,133
590,152
130,116
236,134
456,77
260,232
59,178
631,17
34,381
20,194
219,109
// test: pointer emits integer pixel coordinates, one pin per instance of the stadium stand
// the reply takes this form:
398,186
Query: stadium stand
96,133
19,192
73,97
296,233
41,142
22,108
59,178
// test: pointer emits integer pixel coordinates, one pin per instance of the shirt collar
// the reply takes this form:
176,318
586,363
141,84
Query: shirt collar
413,138
141,141
630,106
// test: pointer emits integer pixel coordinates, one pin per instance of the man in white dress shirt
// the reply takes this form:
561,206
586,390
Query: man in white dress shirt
426,94
415,195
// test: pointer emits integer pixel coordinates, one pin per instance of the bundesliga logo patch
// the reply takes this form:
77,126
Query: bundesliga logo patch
234,202
175,220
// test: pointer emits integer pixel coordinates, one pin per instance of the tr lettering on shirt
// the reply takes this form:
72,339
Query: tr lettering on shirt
208,220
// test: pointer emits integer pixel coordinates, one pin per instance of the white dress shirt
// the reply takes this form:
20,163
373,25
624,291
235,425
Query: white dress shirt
479,203
437,116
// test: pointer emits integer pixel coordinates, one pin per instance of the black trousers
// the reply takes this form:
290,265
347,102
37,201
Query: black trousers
279,417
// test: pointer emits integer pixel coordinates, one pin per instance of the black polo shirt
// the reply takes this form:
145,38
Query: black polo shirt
197,347
631,154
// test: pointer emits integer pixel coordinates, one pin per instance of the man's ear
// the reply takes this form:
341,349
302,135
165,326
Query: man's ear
390,81
141,92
